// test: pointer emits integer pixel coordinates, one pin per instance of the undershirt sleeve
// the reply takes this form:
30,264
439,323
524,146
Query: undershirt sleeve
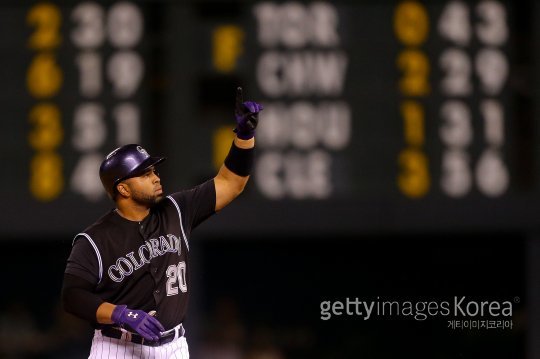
78,298
83,261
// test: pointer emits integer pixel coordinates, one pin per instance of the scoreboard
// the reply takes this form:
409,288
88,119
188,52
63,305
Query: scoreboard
397,115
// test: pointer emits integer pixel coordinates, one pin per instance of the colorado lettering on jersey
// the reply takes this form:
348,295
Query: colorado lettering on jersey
154,247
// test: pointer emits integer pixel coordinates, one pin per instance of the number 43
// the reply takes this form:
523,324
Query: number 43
176,273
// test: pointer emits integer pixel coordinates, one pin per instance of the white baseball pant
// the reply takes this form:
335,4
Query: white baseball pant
104,347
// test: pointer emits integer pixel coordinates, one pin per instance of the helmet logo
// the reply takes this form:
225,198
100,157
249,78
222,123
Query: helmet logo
142,150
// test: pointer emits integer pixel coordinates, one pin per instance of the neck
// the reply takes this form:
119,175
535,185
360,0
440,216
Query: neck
132,211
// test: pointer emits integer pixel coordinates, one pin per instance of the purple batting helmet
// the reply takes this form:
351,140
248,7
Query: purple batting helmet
125,162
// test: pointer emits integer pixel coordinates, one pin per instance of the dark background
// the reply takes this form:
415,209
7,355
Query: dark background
263,296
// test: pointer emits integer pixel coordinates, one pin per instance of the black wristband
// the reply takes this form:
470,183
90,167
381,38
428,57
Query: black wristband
240,160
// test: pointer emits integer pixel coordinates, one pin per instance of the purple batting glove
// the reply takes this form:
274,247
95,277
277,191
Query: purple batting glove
246,115
141,322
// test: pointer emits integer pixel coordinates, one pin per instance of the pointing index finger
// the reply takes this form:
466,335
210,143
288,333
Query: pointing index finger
239,98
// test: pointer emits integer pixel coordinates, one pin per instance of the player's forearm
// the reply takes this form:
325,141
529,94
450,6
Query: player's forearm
234,174
238,164
228,186
78,299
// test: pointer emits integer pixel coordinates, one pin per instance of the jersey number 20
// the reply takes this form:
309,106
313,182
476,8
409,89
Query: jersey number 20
176,273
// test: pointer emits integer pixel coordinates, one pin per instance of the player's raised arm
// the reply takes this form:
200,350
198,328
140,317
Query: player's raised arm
234,173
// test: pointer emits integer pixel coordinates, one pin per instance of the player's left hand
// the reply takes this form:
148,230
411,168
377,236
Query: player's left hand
246,115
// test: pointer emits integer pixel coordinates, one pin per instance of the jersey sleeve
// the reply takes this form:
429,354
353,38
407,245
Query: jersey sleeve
83,261
197,203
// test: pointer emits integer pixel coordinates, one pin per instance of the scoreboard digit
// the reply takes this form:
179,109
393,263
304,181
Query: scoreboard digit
411,28
44,80
467,101
105,62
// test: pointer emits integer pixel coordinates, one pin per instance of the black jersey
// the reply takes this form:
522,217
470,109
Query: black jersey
144,265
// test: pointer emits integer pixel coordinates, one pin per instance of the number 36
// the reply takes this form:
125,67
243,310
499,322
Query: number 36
176,273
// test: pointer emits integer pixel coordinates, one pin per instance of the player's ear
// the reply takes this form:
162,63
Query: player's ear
122,189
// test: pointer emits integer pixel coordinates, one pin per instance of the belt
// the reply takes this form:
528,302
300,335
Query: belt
122,334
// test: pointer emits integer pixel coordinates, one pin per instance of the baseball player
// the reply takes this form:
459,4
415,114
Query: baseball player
128,273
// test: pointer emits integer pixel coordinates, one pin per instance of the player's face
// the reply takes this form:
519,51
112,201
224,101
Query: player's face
146,189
